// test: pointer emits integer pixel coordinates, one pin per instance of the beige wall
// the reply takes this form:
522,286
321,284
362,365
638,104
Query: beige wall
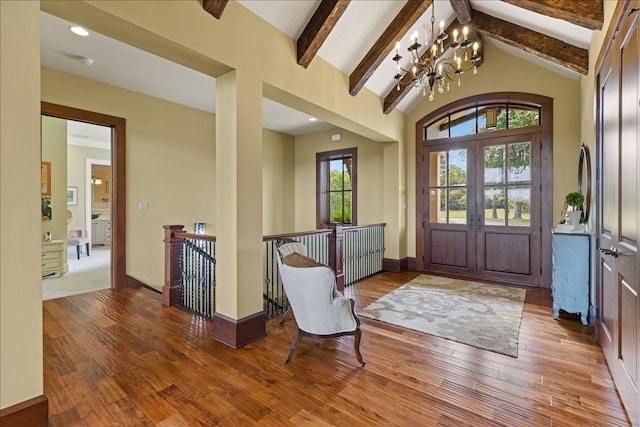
370,176
76,177
54,150
278,182
20,249
170,163
502,72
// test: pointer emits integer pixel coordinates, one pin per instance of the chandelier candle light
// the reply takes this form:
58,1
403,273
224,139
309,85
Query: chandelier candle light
433,71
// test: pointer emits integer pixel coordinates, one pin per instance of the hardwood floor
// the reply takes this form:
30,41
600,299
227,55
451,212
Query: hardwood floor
121,358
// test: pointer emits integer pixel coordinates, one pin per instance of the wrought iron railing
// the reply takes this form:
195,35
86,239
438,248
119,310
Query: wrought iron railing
317,243
363,252
198,266
190,264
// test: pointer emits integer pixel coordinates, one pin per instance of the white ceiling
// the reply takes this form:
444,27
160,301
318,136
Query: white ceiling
361,24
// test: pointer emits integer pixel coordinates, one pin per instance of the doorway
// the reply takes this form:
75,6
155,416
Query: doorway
481,191
118,181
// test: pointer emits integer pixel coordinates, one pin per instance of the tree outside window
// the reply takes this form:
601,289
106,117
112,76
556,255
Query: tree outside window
336,187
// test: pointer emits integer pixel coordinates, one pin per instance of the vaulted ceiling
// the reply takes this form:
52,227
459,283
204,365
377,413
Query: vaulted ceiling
359,37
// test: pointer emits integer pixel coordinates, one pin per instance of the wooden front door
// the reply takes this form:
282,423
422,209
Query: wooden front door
484,207
618,261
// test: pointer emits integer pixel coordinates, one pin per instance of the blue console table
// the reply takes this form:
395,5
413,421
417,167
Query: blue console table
571,274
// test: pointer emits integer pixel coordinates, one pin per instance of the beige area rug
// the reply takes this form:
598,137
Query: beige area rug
477,314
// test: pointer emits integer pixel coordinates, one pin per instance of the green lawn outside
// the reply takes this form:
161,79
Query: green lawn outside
457,217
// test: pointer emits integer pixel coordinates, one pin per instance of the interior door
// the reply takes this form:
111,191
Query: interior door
618,267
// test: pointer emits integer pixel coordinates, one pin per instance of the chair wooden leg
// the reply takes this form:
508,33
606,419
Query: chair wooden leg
87,248
294,344
356,346
284,316
78,251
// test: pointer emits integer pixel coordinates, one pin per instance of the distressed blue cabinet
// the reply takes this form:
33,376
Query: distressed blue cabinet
571,274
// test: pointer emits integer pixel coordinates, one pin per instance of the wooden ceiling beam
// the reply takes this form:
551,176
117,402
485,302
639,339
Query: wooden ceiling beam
401,24
585,13
462,8
394,97
552,49
215,7
318,28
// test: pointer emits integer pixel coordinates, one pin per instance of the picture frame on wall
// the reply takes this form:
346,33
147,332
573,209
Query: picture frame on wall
72,196
45,178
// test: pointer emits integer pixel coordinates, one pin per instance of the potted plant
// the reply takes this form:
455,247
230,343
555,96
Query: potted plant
574,201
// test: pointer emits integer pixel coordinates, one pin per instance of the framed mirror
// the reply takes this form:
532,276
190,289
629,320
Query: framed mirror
584,180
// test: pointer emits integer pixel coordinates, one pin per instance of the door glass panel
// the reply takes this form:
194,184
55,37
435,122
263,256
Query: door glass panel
494,206
448,187
438,206
494,163
458,167
519,206
458,206
519,162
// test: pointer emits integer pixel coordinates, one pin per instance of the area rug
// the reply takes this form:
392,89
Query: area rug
481,315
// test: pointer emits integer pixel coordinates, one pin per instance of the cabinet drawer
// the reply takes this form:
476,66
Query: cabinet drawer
50,255
51,264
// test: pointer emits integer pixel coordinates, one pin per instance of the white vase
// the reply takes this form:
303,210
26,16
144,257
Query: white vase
573,217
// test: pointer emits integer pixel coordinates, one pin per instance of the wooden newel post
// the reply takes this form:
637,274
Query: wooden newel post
172,274
335,254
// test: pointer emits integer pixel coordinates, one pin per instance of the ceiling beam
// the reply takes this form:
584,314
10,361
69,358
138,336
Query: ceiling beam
394,97
318,28
215,7
549,48
462,8
401,24
585,13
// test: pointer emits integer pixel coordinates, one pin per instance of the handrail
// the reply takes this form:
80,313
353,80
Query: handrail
206,237
353,227
301,233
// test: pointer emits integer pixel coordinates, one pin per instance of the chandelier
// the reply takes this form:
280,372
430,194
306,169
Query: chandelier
434,70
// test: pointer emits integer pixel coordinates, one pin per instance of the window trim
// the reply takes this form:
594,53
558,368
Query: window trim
322,169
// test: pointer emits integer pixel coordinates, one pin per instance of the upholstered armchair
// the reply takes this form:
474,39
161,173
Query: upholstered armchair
319,309
77,236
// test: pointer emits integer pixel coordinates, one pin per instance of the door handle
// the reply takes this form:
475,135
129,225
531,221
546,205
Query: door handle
613,251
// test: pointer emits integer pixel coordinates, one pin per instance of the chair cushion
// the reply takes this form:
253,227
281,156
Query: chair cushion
296,260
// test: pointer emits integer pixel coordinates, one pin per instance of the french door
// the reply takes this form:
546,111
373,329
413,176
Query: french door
482,207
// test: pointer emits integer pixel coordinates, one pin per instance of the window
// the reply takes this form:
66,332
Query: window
484,118
336,187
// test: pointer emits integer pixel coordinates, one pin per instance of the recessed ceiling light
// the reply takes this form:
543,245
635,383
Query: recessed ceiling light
79,31
312,119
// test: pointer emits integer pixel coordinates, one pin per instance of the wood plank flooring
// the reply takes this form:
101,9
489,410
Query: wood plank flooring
121,358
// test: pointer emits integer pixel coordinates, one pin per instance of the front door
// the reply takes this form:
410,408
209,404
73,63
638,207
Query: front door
484,208
618,261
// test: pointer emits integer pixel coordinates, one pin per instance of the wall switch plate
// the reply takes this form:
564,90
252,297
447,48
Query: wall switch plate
143,206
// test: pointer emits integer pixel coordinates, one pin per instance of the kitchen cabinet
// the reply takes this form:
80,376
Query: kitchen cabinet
101,232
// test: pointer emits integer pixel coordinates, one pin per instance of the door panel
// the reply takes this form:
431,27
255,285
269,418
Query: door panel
618,271
508,231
